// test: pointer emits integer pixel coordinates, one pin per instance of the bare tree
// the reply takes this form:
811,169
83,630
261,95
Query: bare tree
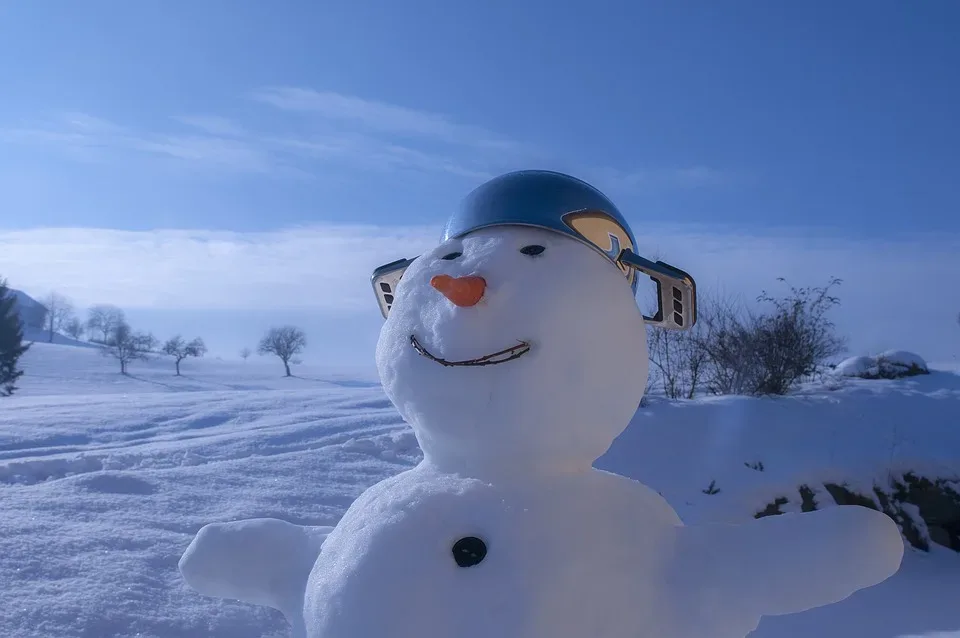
125,345
102,321
179,349
245,353
59,313
679,362
284,342
74,327
723,335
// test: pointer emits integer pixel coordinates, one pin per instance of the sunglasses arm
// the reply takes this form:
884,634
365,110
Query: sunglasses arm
676,292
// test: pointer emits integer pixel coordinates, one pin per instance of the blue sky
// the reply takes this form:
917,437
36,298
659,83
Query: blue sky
227,123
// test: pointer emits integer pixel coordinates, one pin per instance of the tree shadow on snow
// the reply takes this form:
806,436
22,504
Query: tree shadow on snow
160,383
343,383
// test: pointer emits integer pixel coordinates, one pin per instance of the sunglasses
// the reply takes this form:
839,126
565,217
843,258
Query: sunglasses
676,289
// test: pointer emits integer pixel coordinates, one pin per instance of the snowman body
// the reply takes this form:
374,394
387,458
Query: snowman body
580,555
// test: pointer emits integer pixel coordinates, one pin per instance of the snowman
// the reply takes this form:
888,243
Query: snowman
516,351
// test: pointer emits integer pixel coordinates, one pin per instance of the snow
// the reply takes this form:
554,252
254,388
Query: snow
859,366
43,336
889,364
105,481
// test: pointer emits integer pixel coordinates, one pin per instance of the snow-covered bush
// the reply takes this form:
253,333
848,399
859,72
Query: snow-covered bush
892,364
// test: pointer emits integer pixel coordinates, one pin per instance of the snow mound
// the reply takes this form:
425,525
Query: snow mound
892,364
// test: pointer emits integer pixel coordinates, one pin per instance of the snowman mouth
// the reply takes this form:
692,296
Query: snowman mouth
507,354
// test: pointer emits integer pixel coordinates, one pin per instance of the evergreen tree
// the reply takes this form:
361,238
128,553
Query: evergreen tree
11,341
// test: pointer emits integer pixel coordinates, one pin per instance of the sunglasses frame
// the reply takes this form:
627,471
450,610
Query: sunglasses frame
676,289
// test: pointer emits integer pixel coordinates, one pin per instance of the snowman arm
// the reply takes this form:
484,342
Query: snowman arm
793,562
263,561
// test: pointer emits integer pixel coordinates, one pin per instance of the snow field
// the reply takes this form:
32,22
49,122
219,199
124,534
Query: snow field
104,480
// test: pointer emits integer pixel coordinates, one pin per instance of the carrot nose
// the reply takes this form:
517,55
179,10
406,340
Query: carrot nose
463,291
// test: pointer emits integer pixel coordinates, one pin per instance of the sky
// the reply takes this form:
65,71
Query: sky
216,168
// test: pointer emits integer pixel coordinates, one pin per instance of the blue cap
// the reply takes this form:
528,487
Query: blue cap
551,201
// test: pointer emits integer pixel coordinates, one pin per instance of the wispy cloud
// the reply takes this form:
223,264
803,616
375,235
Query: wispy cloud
326,270
213,124
375,154
219,144
659,178
300,130
85,133
379,116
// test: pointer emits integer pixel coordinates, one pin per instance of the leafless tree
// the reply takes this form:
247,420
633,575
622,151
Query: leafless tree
102,321
125,345
74,327
284,342
245,353
59,313
678,360
179,349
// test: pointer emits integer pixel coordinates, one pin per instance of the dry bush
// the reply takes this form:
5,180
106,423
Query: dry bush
737,350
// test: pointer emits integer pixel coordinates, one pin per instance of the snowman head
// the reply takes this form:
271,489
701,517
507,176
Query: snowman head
517,343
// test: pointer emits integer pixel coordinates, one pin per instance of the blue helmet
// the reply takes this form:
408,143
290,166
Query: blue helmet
552,201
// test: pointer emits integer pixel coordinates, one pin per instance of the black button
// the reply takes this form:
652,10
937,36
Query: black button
469,551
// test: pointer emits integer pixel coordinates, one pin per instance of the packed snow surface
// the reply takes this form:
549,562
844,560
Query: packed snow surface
106,479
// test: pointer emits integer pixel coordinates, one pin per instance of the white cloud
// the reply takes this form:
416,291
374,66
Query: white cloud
92,136
901,293
213,124
322,130
370,153
326,268
219,152
380,116
684,178
221,145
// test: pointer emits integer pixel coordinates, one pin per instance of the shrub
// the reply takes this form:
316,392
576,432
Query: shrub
734,350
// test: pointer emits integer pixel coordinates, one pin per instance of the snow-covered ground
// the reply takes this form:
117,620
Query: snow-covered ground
104,480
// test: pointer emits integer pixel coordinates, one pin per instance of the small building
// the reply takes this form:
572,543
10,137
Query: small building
33,314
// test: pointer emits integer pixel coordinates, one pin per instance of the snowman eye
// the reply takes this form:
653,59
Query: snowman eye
532,250
451,256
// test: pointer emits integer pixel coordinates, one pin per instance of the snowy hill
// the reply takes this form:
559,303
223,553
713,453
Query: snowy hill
104,480
39,335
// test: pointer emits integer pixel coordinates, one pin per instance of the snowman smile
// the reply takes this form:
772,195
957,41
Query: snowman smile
507,354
